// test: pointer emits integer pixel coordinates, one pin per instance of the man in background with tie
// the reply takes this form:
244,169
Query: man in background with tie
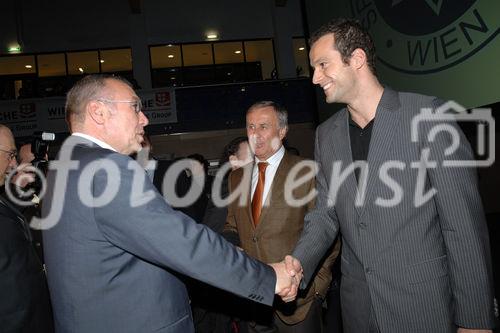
266,226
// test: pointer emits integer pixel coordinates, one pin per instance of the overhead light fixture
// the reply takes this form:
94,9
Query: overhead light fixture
14,48
80,69
302,48
172,78
212,36
102,61
169,45
28,66
237,51
170,56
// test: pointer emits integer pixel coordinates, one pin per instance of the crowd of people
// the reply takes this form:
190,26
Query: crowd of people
135,244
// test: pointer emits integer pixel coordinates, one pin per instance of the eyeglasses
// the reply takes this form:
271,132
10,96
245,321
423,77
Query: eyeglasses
12,153
137,104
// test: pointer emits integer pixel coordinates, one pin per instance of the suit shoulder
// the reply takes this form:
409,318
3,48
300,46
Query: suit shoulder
417,101
236,175
88,154
294,159
332,120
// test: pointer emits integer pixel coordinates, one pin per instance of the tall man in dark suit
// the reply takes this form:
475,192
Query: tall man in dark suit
273,232
24,297
411,262
112,240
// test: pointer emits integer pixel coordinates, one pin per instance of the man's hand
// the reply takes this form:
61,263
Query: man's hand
288,276
293,266
24,175
471,330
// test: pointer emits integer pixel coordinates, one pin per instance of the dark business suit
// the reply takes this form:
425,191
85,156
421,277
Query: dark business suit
404,268
108,267
277,232
24,297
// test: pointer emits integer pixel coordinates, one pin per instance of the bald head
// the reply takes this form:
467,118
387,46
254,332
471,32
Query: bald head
91,87
7,152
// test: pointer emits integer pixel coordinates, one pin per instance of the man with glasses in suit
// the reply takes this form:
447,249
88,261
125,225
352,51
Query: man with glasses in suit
24,301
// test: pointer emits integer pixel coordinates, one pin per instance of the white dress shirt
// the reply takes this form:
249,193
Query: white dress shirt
98,142
273,163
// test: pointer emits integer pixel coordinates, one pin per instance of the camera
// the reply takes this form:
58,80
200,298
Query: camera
40,149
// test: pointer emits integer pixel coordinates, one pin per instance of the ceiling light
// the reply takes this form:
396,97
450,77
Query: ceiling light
28,66
212,36
237,51
14,48
170,56
80,69
172,78
102,61
169,45
302,48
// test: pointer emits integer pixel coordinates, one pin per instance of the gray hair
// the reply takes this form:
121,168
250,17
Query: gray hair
89,88
281,112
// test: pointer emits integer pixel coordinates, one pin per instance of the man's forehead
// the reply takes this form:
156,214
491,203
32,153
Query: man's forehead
262,111
6,138
324,43
120,89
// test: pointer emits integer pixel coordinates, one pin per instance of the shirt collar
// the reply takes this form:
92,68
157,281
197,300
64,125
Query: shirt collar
354,124
98,142
275,159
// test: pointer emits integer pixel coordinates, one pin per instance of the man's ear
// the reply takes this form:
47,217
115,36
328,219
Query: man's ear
282,132
96,111
358,58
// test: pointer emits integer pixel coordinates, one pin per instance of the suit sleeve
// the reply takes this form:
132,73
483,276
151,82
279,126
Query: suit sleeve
139,221
320,224
464,231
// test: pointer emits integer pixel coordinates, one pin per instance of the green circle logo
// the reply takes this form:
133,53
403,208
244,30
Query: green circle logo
428,36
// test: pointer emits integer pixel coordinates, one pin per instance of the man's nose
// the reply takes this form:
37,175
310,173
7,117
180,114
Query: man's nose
317,77
143,120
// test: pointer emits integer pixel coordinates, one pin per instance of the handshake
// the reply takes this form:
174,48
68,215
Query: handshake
289,272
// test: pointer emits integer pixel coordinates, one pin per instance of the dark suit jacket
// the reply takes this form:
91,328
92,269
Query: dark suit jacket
278,230
108,258
24,300
422,268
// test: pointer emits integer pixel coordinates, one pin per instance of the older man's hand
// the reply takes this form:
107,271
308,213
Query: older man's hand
288,276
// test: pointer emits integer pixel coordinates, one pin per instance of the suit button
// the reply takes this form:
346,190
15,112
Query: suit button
362,225
255,239
368,270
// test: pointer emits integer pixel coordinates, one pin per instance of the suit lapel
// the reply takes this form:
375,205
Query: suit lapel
341,143
248,204
277,187
386,124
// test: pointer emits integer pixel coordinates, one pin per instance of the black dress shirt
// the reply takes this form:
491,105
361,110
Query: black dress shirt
360,141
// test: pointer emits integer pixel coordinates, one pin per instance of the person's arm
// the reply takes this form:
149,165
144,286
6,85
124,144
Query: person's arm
320,225
155,232
464,230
